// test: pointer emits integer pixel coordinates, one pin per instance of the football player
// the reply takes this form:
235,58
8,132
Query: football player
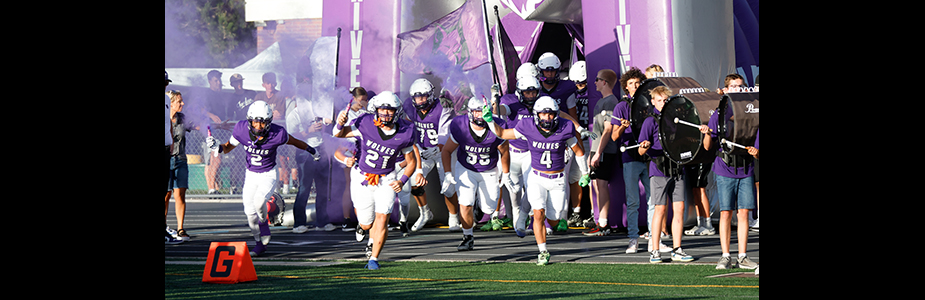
548,137
431,121
375,181
477,156
260,139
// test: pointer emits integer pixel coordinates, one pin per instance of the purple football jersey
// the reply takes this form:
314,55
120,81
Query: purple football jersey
431,127
560,93
546,153
475,154
377,153
261,156
517,112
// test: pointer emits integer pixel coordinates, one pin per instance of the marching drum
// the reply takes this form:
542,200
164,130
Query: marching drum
679,131
639,107
738,121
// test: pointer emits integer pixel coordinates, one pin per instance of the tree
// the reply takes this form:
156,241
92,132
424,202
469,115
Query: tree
207,33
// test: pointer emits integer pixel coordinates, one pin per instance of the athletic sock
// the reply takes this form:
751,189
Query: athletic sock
542,247
467,231
602,222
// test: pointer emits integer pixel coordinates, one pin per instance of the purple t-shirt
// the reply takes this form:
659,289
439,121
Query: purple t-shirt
560,93
516,112
719,167
649,132
261,157
622,111
546,153
378,154
431,127
475,154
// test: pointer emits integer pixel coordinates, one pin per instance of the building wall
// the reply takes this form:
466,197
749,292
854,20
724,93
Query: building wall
298,33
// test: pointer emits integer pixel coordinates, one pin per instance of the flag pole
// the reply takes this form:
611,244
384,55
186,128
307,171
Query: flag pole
491,56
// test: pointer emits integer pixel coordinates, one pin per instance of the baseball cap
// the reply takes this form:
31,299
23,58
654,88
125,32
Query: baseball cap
167,78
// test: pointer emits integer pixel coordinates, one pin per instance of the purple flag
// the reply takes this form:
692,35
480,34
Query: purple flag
506,58
457,38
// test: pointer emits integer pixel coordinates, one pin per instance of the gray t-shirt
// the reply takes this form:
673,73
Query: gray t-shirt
603,111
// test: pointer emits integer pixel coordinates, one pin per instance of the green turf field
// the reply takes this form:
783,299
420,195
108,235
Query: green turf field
451,280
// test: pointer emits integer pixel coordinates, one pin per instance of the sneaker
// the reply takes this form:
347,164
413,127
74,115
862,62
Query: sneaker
562,226
756,270
486,227
754,227
726,262
543,258
700,230
422,220
405,231
520,233
655,257
368,250
574,220
633,246
300,229
597,231
329,227
259,249
372,265
588,223
183,235
496,224
679,255
692,231
360,233
746,263
466,244
454,224
173,233
507,222
169,240
661,247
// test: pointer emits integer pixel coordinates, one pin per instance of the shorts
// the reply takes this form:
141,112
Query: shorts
484,184
179,173
735,193
698,174
370,200
548,191
664,187
610,162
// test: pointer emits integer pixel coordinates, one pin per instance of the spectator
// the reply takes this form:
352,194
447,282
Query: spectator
604,157
179,171
169,237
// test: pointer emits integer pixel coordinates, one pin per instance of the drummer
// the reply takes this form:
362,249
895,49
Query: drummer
665,179
735,189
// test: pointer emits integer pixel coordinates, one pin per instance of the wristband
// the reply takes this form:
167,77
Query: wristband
404,179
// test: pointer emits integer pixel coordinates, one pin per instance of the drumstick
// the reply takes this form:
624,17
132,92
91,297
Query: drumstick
730,143
624,148
676,120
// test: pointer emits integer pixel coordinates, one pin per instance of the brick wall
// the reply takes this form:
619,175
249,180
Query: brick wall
295,35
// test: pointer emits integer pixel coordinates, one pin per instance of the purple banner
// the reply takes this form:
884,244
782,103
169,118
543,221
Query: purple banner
458,37
368,50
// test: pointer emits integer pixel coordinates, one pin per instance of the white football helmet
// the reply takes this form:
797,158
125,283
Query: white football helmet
578,72
527,84
386,100
473,106
546,104
548,62
259,111
422,87
527,69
